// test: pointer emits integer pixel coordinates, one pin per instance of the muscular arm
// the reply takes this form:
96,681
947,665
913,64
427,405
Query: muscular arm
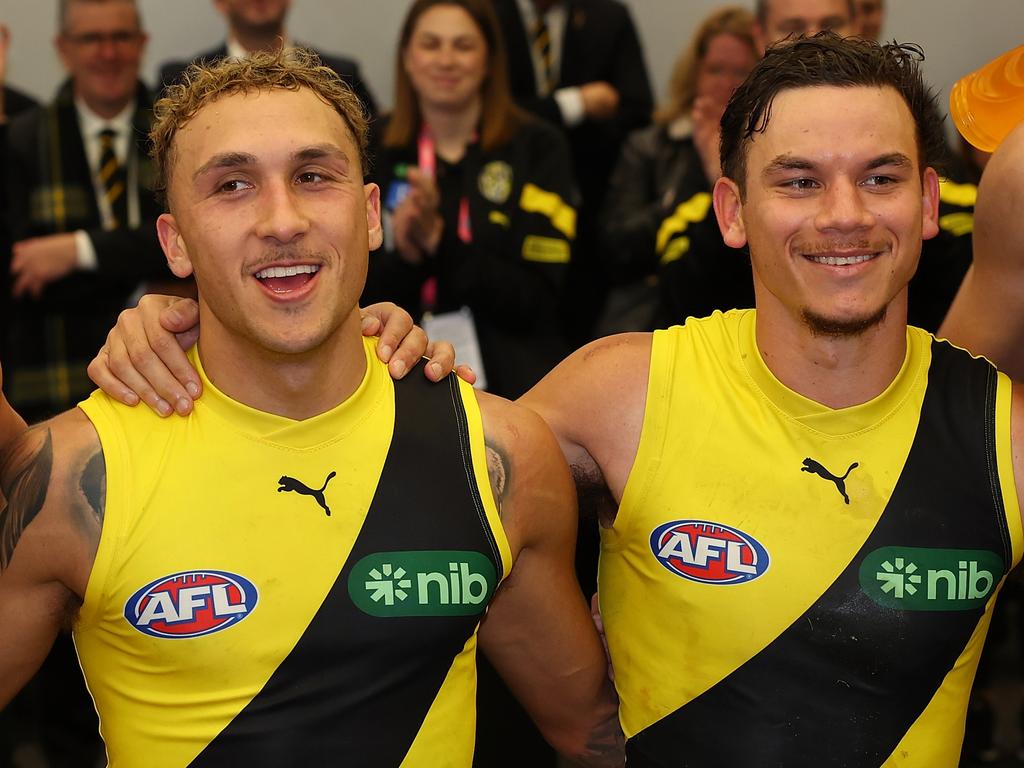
987,316
594,402
53,482
538,632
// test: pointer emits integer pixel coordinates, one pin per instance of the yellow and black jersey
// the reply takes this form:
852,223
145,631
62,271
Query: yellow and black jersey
270,592
790,584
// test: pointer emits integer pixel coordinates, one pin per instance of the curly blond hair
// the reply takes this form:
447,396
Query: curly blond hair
203,83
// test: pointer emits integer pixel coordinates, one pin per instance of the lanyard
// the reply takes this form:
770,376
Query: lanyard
427,162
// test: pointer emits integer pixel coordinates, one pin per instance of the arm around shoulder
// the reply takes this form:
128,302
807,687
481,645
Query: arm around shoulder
594,403
538,632
53,484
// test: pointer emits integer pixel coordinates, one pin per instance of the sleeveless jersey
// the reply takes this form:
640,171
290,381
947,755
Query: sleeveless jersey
271,592
788,584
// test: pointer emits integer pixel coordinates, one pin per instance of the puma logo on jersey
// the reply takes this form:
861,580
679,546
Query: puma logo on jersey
287,484
810,465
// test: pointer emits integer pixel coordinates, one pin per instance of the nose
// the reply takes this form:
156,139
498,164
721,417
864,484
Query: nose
107,47
843,208
282,216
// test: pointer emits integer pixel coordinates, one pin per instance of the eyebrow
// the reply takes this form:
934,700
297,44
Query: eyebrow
791,163
242,159
225,160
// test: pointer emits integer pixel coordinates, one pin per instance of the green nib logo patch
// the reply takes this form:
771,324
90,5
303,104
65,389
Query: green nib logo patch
919,579
440,583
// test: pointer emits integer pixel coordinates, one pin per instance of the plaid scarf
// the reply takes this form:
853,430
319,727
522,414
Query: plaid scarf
64,201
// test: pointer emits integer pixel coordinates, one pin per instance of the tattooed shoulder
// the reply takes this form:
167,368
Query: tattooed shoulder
25,479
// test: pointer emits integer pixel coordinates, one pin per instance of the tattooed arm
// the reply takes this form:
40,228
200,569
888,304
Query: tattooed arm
538,631
52,478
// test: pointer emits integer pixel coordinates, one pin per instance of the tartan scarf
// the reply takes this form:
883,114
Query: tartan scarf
66,200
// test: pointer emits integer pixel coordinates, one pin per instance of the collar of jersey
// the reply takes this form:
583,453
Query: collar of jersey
822,418
291,433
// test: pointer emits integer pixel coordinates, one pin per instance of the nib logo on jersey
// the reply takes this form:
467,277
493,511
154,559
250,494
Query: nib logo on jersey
422,583
920,579
191,604
709,553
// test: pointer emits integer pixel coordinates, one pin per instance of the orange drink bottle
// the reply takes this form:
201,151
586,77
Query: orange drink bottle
989,103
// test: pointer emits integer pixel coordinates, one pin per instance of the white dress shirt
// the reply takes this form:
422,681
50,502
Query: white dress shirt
91,125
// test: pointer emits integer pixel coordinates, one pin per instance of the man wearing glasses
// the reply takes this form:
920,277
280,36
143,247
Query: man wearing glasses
82,212
82,217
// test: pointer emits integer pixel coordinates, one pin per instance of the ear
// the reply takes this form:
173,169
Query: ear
62,45
373,224
174,245
729,211
929,204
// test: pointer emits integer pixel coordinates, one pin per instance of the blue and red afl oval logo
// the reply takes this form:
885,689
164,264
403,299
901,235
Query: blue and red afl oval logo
710,553
191,604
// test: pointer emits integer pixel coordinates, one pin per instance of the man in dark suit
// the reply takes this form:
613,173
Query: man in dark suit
579,65
259,25
81,208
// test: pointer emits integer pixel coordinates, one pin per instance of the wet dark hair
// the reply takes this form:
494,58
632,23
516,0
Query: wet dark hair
829,60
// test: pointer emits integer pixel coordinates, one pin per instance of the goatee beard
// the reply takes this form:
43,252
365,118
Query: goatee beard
820,325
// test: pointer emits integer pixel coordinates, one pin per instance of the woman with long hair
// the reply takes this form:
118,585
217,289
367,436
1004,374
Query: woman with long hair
477,195
668,164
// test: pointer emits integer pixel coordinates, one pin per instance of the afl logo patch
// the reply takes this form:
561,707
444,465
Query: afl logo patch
495,181
709,553
191,604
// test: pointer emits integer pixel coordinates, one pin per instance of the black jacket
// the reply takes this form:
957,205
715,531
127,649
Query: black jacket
523,218
600,43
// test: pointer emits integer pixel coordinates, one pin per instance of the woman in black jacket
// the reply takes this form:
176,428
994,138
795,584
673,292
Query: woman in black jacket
658,213
477,196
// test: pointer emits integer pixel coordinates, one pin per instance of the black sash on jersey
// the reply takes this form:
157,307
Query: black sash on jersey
355,689
842,685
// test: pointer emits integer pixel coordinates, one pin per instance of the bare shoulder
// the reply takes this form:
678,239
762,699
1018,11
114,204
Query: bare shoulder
529,477
54,486
594,403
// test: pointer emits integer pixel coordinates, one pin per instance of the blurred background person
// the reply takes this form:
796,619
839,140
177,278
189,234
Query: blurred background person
259,25
579,64
775,20
477,196
870,18
671,163
81,211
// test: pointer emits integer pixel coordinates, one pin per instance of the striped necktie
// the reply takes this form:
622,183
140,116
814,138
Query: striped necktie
112,179
541,40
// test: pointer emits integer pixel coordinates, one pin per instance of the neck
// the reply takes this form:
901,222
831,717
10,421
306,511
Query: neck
837,371
256,40
452,129
296,386
105,110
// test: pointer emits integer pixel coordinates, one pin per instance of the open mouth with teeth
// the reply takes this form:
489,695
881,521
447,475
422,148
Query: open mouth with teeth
287,279
841,261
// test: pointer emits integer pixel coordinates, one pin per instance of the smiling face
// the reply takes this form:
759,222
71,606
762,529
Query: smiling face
726,63
446,59
833,209
264,16
101,47
270,212
790,18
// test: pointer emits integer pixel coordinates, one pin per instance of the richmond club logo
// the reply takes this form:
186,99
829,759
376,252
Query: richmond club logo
191,604
709,553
